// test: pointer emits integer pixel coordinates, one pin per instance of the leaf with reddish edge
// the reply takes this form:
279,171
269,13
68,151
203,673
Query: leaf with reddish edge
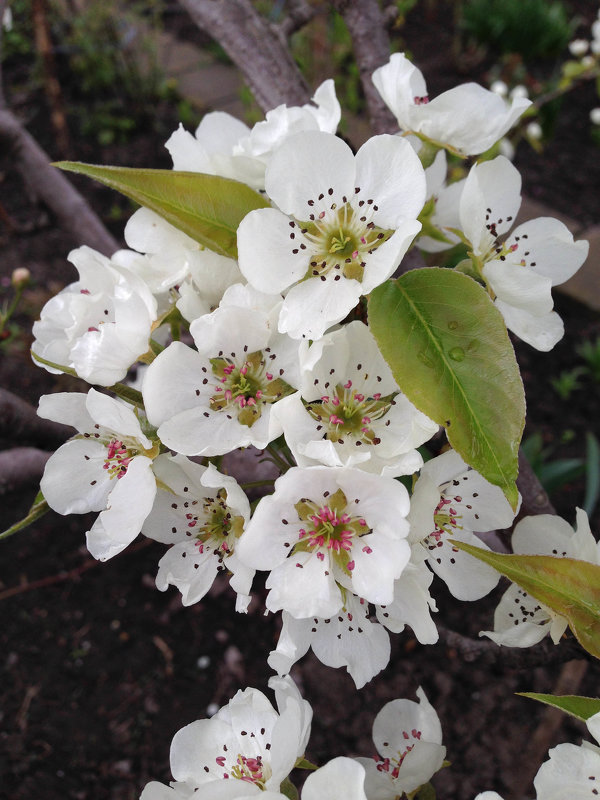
580,707
567,586
448,349
208,208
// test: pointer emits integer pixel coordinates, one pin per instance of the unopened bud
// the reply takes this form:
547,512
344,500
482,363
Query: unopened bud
595,116
519,91
578,47
20,277
534,130
499,87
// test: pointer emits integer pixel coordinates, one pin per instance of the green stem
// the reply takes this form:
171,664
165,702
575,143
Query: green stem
256,484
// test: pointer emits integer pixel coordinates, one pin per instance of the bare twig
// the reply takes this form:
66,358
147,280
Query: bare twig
70,575
3,7
21,467
370,41
487,652
299,14
52,188
255,47
19,422
43,42
535,499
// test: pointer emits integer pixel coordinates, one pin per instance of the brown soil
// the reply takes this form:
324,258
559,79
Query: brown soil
100,669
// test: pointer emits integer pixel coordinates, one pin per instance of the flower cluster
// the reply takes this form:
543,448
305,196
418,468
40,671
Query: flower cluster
272,350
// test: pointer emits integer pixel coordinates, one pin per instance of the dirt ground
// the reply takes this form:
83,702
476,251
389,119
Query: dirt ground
100,669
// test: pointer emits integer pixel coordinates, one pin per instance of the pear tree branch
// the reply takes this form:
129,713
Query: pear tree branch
255,46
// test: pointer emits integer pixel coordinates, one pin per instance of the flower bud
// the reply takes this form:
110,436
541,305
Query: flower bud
595,116
20,277
499,87
534,130
578,47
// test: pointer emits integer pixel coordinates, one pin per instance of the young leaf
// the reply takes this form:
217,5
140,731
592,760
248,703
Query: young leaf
449,350
206,207
567,586
580,707
37,510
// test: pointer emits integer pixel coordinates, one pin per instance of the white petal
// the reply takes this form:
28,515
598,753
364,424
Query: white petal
520,286
129,504
550,247
304,586
265,251
74,481
340,779
519,620
305,168
314,305
540,332
389,171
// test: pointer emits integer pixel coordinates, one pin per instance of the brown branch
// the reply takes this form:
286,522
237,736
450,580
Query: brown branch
366,23
299,14
19,422
486,652
255,47
52,188
535,499
43,43
21,467
72,574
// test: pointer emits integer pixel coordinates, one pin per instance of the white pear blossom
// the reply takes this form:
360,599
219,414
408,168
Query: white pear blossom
202,514
408,738
350,411
520,620
450,501
218,397
225,146
341,226
99,325
521,269
467,118
324,531
106,467
572,771
346,639
245,750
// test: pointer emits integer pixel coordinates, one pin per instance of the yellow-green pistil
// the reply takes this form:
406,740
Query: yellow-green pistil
330,530
339,240
347,412
243,388
215,527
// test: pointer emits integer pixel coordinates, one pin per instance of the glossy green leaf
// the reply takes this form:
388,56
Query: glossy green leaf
580,707
37,510
568,586
448,348
206,207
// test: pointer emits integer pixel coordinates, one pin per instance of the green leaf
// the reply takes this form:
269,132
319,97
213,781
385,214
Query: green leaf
449,351
580,707
206,207
37,510
568,586
304,763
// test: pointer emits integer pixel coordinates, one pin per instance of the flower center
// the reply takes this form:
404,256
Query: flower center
244,386
331,530
214,526
392,765
118,458
339,239
347,412
251,770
